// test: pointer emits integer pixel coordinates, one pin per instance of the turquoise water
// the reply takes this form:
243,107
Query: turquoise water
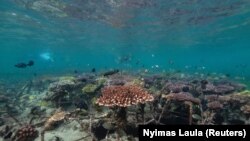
188,36
178,62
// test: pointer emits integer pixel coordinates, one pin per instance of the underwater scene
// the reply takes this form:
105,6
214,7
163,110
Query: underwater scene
94,70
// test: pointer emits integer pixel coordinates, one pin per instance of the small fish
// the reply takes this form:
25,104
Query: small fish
93,70
31,63
111,72
75,71
137,62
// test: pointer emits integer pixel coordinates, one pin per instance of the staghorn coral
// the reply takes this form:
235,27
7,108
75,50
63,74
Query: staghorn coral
183,96
123,96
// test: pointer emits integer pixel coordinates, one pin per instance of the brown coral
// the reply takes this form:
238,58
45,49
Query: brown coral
245,109
183,96
57,117
123,96
214,105
212,97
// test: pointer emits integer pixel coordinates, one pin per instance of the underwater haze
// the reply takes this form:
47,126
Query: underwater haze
187,35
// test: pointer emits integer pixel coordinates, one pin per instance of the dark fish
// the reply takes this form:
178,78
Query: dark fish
93,70
137,62
75,71
125,59
31,63
21,65
111,72
24,65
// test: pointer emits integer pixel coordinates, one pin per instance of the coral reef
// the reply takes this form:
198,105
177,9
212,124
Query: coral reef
214,105
245,109
176,87
89,88
123,96
183,96
111,107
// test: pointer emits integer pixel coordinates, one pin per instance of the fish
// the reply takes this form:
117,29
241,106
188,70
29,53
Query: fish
30,63
75,71
93,70
24,65
21,65
111,72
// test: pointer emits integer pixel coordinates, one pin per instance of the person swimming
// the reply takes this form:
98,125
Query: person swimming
24,65
47,56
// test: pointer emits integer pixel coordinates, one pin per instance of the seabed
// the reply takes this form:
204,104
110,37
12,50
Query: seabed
111,105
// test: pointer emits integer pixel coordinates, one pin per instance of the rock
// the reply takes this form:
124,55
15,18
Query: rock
131,129
108,125
3,99
37,110
1,122
98,130
62,85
